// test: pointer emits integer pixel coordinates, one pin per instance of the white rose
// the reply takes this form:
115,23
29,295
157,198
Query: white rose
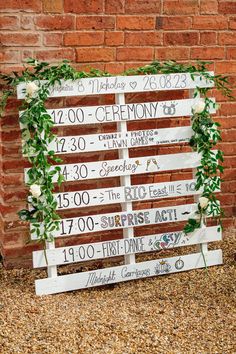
31,89
35,190
199,106
203,201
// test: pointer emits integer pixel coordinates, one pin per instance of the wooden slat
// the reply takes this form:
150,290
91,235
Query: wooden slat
120,220
130,166
112,141
122,112
123,84
121,247
126,272
133,193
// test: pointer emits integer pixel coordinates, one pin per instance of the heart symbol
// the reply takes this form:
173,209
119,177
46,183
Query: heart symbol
133,84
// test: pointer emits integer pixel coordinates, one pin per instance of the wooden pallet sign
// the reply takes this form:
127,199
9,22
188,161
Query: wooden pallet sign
124,167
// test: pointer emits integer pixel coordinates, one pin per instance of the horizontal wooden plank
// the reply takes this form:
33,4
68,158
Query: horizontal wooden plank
121,247
133,193
126,272
120,220
131,166
122,112
112,141
123,84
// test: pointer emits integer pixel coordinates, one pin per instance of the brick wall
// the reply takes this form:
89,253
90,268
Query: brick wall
112,35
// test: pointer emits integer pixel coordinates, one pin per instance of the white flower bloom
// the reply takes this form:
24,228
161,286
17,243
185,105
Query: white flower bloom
203,201
35,190
199,106
31,89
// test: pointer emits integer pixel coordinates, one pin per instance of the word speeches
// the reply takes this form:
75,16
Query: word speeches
132,166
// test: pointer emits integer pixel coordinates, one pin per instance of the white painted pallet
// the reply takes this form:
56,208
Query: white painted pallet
126,194
126,272
122,247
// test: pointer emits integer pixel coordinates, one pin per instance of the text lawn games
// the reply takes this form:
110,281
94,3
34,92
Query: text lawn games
127,219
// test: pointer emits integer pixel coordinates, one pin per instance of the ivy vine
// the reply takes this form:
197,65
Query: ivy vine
37,134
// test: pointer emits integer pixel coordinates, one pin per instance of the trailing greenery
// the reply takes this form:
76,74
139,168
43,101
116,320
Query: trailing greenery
37,134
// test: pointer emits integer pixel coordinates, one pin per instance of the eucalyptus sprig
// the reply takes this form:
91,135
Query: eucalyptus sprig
37,134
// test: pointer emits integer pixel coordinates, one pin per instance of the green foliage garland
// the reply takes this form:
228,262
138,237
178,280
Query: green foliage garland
37,134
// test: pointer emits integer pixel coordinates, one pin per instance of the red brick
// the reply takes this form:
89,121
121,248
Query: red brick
181,38
229,161
226,67
83,6
55,22
180,7
128,54
209,6
9,22
230,122
27,22
207,53
95,54
228,148
226,199
227,109
115,38
53,6
172,53
55,54
210,22
25,54
114,68
13,165
114,6
9,56
95,22
143,38
232,23
231,53
229,135
53,39
19,39
227,38
133,65
228,222
227,7
229,174
142,6
174,23
208,38
13,179
135,22
83,38
21,5
228,187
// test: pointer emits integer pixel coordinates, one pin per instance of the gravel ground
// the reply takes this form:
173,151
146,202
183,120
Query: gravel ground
189,312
